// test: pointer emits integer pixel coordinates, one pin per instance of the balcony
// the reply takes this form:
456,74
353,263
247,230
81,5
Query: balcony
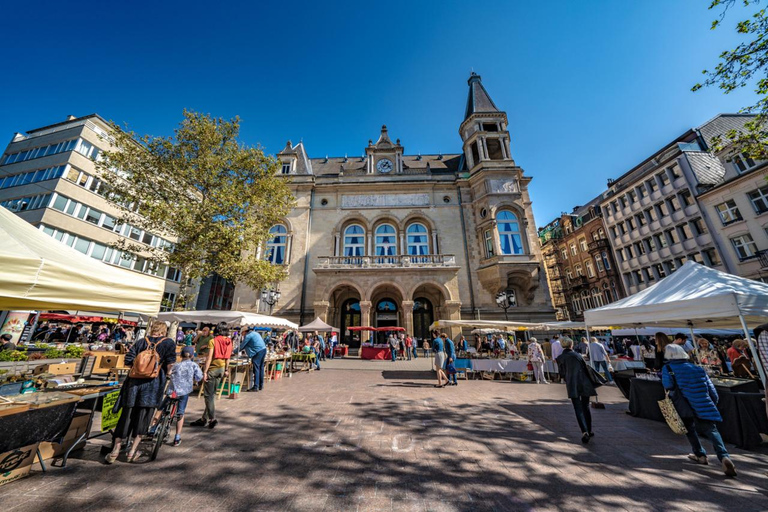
763,257
579,282
405,261
599,245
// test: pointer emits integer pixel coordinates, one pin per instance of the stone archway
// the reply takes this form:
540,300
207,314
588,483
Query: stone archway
345,310
428,301
387,307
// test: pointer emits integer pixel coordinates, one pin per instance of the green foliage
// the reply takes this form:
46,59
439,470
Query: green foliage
74,352
13,355
217,197
54,353
747,64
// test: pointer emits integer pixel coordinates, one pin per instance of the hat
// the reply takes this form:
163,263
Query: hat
188,351
533,340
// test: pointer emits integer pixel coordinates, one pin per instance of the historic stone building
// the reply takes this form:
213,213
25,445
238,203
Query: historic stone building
388,238
579,261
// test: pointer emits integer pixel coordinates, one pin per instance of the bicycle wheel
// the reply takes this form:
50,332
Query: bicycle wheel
162,431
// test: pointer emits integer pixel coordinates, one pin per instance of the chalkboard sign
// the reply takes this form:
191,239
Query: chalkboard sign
35,425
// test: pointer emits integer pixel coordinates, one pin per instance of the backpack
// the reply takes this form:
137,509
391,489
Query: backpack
146,365
222,347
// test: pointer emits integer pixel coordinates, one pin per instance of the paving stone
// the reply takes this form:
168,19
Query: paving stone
375,435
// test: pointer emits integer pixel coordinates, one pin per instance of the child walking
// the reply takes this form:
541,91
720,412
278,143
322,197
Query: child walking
183,376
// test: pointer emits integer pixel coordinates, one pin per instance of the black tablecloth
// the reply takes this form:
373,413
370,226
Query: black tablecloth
622,379
35,425
744,415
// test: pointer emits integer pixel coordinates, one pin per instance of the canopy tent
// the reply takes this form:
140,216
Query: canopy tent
669,331
231,318
511,326
488,331
696,296
317,325
39,272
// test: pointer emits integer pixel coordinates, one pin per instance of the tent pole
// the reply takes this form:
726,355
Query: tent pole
693,336
755,354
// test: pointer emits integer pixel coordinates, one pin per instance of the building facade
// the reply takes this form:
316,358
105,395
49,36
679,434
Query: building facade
579,262
48,177
388,238
738,211
653,219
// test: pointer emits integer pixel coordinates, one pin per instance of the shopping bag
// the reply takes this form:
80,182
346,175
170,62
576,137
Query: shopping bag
671,415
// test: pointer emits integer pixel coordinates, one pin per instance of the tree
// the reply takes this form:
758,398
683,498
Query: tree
216,197
744,65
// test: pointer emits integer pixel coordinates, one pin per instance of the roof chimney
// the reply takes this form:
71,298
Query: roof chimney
70,117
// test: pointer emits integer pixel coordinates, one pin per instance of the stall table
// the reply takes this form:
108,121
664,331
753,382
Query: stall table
740,405
341,351
375,353
307,361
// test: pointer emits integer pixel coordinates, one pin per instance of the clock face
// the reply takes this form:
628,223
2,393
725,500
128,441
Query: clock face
384,165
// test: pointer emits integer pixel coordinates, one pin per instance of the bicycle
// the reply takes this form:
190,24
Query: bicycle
170,407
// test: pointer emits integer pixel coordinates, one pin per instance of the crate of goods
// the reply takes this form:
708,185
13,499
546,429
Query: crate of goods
15,464
112,361
56,368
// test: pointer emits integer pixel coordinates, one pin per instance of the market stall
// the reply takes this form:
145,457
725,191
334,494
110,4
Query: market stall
230,318
41,273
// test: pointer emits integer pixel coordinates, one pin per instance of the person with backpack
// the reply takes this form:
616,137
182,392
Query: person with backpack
216,368
150,360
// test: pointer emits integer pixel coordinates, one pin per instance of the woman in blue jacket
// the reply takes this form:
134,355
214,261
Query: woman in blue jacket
700,393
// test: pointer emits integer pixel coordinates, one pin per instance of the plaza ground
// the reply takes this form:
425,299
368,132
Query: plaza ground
376,435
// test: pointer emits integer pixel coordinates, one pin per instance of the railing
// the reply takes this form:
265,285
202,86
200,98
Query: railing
763,257
599,244
579,281
397,261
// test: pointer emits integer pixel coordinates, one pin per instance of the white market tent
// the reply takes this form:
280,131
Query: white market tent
693,296
231,318
39,272
317,325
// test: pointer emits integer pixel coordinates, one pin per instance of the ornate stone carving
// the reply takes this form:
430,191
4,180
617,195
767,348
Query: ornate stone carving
503,186
379,200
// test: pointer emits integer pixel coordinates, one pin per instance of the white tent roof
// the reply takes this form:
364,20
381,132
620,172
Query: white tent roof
231,318
705,297
38,272
317,325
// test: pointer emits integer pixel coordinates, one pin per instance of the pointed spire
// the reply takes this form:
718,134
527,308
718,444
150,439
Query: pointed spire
478,99
384,137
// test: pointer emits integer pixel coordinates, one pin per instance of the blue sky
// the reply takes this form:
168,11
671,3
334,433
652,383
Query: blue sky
591,88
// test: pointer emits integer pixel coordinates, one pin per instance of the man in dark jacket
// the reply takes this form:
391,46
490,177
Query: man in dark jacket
573,371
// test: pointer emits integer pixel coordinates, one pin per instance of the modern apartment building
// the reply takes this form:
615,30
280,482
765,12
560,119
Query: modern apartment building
48,176
654,221
579,262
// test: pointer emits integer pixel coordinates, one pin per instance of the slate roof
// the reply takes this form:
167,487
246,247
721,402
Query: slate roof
709,170
478,99
449,163
721,124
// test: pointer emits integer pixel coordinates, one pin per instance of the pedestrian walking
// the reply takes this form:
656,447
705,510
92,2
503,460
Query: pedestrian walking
254,347
426,348
536,358
393,345
450,359
216,368
439,347
574,371
414,345
599,358
150,360
408,343
697,389
320,344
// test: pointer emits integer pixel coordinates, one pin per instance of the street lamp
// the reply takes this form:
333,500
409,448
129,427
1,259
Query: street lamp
270,296
506,300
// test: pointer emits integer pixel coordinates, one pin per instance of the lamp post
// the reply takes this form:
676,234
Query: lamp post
506,300
270,296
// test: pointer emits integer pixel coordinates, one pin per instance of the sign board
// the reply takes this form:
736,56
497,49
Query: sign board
108,418
14,324
16,464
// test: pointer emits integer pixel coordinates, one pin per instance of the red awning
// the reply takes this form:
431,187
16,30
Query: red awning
363,328
59,317
385,329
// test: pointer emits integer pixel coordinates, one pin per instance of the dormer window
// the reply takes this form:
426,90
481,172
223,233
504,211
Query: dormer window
286,168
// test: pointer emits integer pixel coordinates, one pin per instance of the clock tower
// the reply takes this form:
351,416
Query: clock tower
384,157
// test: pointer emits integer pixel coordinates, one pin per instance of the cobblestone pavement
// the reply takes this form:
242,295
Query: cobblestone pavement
385,439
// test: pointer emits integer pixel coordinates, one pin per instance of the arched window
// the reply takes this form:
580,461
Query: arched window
585,300
354,241
606,294
277,245
508,227
417,240
386,240
597,297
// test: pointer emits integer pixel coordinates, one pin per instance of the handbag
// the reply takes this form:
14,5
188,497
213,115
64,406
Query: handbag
669,410
681,404
594,377
530,366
